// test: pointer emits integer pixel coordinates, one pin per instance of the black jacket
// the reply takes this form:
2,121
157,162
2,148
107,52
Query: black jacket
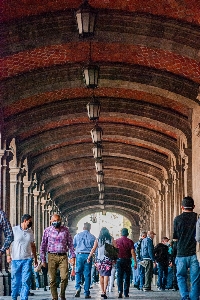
161,254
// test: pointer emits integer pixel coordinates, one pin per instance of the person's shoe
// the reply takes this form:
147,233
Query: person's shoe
186,298
120,295
136,286
126,296
147,290
45,289
159,289
31,294
62,298
88,297
77,295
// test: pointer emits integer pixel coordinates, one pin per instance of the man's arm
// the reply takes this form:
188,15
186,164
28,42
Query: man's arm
8,255
175,233
198,231
151,249
8,233
134,257
33,249
71,248
43,248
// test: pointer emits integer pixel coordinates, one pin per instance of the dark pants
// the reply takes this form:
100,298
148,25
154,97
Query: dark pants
148,274
162,275
45,272
123,275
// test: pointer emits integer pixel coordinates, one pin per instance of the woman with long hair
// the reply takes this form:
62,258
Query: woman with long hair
104,264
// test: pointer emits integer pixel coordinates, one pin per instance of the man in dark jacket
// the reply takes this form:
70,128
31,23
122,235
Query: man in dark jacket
184,233
162,258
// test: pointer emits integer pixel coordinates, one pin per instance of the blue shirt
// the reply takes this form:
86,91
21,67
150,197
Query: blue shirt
147,249
83,242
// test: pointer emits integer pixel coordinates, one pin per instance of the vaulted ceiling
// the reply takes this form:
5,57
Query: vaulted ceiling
148,54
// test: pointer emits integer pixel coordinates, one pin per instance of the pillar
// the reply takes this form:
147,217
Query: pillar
196,156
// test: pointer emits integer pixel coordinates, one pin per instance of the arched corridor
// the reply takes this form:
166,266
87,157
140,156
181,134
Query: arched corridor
147,58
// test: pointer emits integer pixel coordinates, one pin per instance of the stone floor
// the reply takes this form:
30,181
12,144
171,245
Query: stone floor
95,294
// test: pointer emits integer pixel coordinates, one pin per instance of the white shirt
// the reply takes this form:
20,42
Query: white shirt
21,246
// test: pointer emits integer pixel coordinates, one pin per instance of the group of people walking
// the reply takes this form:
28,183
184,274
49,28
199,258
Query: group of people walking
58,244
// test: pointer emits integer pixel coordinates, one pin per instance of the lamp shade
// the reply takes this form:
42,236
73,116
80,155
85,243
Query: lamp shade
85,17
96,134
101,187
97,150
100,176
91,76
101,196
93,109
99,165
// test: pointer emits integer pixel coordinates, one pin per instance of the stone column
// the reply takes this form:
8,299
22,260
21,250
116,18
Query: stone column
26,186
196,156
135,232
13,196
2,205
160,215
36,217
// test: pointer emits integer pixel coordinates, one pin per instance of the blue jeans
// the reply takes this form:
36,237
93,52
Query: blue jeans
21,272
123,275
162,275
37,279
83,268
182,265
141,276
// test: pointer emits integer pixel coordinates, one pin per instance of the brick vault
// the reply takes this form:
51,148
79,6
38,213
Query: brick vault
149,74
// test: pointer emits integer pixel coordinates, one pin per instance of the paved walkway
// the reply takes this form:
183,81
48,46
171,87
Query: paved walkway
95,294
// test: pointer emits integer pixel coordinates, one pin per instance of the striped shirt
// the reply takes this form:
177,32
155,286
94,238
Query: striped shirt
7,230
56,241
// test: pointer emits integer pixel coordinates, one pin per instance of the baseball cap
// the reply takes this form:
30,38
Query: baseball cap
188,202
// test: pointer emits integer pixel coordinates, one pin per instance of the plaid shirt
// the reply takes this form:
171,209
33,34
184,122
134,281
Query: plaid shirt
7,230
56,241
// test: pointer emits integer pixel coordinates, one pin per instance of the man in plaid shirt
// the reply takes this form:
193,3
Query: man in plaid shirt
56,241
7,230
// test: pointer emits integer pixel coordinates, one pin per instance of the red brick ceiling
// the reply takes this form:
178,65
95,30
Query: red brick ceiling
148,54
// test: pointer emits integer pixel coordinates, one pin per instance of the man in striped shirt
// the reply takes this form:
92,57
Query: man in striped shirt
57,241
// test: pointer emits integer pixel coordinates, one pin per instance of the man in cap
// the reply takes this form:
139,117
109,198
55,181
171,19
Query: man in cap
184,233
147,253
126,251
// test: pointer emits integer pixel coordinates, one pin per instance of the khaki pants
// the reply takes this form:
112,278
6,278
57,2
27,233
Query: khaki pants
55,262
